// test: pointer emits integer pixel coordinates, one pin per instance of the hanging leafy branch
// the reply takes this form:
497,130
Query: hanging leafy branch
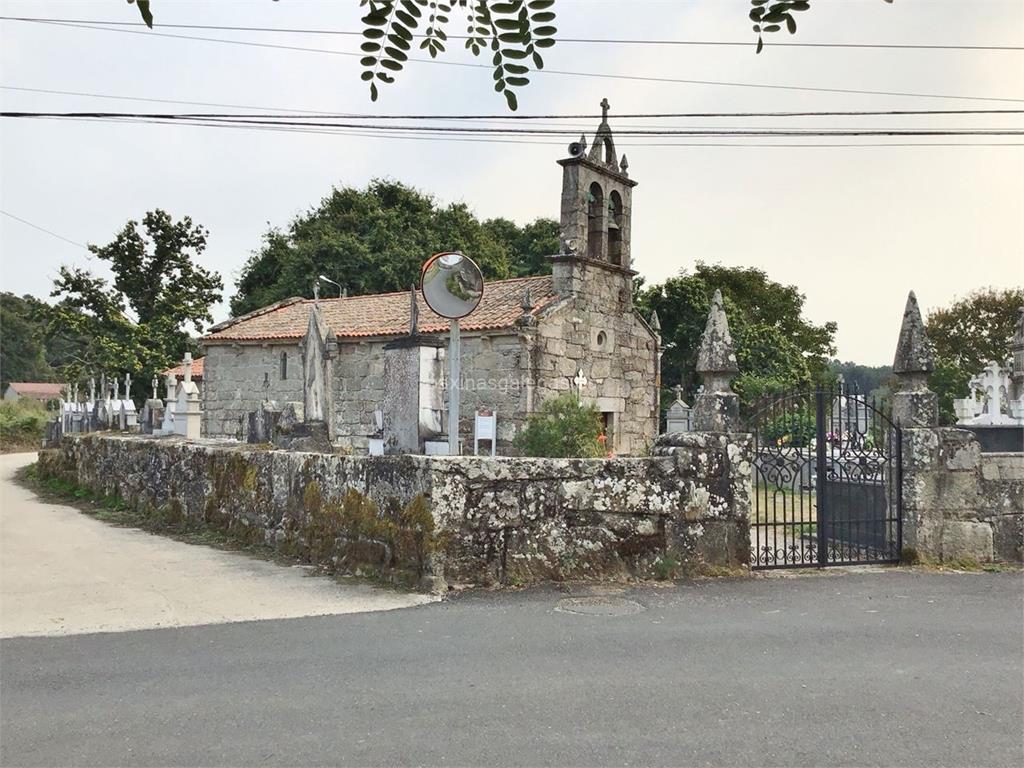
771,18
515,32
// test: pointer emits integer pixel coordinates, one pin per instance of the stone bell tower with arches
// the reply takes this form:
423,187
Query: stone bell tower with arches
596,209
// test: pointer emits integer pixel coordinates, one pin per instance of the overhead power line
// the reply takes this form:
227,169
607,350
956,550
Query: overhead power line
584,40
358,133
292,112
511,117
504,131
546,71
44,229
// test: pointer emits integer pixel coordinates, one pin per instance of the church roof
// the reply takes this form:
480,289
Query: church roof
179,370
386,314
38,389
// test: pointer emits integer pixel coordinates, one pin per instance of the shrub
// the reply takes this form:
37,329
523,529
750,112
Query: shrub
22,423
563,428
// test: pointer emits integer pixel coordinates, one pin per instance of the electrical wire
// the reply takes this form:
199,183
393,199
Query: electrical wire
473,130
586,40
546,71
43,229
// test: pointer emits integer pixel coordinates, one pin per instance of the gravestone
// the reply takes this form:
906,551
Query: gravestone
187,414
679,414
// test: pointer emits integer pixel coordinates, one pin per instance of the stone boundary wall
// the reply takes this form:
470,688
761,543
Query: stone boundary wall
494,520
959,502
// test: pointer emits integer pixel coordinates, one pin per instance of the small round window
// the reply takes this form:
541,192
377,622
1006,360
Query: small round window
601,338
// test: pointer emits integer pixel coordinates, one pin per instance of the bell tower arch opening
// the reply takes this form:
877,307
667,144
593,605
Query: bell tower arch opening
595,221
615,226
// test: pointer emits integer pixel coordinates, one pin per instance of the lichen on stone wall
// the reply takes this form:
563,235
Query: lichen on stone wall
469,519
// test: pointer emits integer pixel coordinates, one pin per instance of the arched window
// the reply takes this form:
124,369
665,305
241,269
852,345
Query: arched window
595,221
615,228
609,152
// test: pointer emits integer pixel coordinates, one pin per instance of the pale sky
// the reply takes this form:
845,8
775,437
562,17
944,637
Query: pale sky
854,227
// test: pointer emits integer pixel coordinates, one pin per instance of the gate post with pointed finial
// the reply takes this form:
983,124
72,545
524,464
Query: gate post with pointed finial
717,408
913,404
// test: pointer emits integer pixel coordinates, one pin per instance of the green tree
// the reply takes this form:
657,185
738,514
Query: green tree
968,334
866,379
23,351
513,35
375,239
528,246
139,322
775,346
564,427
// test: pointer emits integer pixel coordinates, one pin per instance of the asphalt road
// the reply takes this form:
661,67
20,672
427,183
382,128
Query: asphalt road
873,668
62,572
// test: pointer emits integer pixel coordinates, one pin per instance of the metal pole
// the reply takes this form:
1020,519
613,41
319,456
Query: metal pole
822,471
454,353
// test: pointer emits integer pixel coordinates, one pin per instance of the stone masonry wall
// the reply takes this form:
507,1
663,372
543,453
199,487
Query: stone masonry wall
958,502
496,520
233,384
597,331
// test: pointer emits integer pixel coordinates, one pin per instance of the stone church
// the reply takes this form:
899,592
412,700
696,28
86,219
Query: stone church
351,361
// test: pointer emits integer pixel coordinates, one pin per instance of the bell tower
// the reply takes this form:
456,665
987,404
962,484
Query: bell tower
597,201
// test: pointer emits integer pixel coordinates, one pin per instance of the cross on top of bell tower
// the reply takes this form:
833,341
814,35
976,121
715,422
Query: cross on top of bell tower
605,106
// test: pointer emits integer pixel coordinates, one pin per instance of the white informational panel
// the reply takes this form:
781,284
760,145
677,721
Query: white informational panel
485,428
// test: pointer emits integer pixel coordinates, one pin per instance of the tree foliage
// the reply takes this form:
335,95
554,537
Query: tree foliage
564,427
865,379
375,240
968,334
23,351
139,322
512,34
775,346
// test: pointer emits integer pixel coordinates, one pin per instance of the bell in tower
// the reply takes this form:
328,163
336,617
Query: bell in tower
596,200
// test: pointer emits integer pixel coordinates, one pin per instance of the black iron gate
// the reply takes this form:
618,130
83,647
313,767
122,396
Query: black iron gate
827,469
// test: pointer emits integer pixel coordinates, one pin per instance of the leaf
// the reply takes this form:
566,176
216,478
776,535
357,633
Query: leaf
144,9
546,42
394,66
500,85
367,75
513,102
772,28
396,54
546,31
368,61
542,18
540,5
406,19
373,34
517,81
373,91
370,47
791,25
760,44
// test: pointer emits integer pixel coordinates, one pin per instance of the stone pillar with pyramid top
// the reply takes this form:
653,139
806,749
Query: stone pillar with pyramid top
913,404
717,407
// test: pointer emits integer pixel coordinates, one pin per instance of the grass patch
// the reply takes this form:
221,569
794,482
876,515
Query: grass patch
22,423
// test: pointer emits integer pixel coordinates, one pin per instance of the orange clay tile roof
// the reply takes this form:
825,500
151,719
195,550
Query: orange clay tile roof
179,370
41,389
386,314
